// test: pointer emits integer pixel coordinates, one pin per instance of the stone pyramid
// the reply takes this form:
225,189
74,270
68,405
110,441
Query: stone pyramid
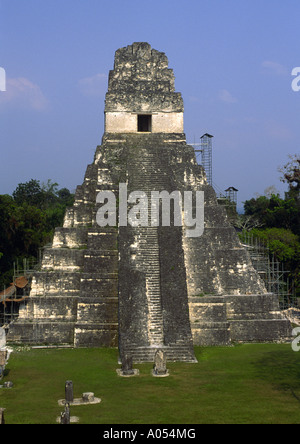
146,287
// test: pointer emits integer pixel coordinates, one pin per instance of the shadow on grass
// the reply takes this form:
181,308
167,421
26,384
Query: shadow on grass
281,369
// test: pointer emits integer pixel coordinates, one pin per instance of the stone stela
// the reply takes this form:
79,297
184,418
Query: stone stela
69,395
146,288
2,338
65,415
160,364
127,366
2,420
127,369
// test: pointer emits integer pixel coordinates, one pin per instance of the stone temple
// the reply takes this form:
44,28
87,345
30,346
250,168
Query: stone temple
143,288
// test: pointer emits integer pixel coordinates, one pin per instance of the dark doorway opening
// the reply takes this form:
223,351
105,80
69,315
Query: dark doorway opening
144,123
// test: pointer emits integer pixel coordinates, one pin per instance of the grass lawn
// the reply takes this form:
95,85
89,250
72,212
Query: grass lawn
249,383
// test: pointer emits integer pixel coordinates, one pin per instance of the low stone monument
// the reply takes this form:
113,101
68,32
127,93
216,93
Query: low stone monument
69,397
160,364
86,398
2,421
3,358
65,415
126,369
2,338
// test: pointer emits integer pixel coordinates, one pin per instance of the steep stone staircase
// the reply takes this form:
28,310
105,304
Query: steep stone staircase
148,172
147,259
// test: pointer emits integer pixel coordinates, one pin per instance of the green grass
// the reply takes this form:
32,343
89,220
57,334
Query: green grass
250,383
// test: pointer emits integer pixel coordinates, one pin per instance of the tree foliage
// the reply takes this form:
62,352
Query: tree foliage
282,243
42,196
291,173
27,222
278,220
275,212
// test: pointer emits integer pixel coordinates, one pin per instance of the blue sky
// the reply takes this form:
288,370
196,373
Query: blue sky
232,61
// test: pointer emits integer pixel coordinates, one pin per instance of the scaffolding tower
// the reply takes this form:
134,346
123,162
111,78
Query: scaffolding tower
17,293
203,151
231,194
206,156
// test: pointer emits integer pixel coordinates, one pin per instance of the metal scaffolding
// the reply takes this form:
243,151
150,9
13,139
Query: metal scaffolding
16,294
272,272
203,152
231,194
206,160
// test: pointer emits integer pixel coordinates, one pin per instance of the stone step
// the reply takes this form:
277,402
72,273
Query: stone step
147,258
173,353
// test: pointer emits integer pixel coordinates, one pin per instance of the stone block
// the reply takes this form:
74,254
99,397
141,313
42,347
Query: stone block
105,310
95,335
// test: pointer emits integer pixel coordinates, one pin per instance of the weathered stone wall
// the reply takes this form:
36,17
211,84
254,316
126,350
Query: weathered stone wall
97,307
45,320
126,122
141,82
223,320
70,237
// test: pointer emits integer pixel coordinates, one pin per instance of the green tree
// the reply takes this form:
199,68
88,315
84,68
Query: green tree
27,221
49,191
275,212
291,173
29,192
271,210
279,220
285,246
